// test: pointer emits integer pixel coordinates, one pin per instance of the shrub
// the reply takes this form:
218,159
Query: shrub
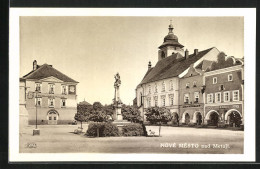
92,129
110,130
105,130
134,129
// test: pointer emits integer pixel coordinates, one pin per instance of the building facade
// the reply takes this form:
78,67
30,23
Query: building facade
50,94
160,85
191,97
224,96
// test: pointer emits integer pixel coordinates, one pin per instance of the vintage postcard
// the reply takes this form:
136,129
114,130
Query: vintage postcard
132,84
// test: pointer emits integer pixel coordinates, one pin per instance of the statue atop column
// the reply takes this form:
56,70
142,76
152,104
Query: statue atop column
117,100
117,85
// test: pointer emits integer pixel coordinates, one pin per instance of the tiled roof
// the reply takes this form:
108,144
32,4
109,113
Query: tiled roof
45,71
171,66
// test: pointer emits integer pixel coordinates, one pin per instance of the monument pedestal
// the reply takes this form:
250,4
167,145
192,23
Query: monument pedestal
119,122
36,132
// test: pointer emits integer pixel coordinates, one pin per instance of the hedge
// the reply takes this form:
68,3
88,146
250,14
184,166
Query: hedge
105,129
134,129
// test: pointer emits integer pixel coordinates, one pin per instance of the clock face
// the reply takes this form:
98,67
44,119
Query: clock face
72,89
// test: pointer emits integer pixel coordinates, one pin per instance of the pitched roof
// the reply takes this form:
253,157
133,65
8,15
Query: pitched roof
45,71
171,66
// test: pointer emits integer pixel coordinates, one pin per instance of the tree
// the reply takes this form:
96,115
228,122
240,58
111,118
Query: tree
158,115
131,113
83,111
109,111
98,114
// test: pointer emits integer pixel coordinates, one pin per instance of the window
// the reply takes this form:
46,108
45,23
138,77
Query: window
163,86
210,98
51,102
218,97
149,89
196,97
38,101
226,97
50,118
54,118
141,99
230,77
214,80
163,100
149,101
194,84
163,55
187,85
221,87
186,98
236,95
63,102
171,99
171,85
51,88
38,87
155,88
63,89
155,101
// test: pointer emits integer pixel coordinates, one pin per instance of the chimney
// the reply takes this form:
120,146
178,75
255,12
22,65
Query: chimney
34,65
149,65
196,51
186,54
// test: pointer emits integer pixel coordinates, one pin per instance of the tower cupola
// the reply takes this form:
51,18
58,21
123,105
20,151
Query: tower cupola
170,45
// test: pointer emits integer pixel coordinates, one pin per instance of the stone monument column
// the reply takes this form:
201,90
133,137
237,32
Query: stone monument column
117,100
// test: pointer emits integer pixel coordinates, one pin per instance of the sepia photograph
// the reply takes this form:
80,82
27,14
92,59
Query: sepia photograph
141,85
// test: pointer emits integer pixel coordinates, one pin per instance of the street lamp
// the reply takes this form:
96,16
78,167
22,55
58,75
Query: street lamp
36,131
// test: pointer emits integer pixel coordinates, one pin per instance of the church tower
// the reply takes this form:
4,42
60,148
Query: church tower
170,45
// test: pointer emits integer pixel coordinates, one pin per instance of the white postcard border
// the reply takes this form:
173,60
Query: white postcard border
249,15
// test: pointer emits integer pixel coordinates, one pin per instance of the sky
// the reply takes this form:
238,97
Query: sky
91,50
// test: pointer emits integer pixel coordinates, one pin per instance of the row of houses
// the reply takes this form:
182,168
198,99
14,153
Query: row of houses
205,87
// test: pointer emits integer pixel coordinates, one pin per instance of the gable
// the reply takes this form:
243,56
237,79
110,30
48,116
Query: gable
51,79
191,72
46,71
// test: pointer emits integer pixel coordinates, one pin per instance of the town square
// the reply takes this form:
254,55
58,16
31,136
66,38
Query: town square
131,85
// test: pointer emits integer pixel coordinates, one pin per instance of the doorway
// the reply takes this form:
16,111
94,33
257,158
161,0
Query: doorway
213,119
52,117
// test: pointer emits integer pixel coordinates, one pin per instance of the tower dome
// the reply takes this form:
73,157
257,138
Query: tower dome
170,45
171,39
